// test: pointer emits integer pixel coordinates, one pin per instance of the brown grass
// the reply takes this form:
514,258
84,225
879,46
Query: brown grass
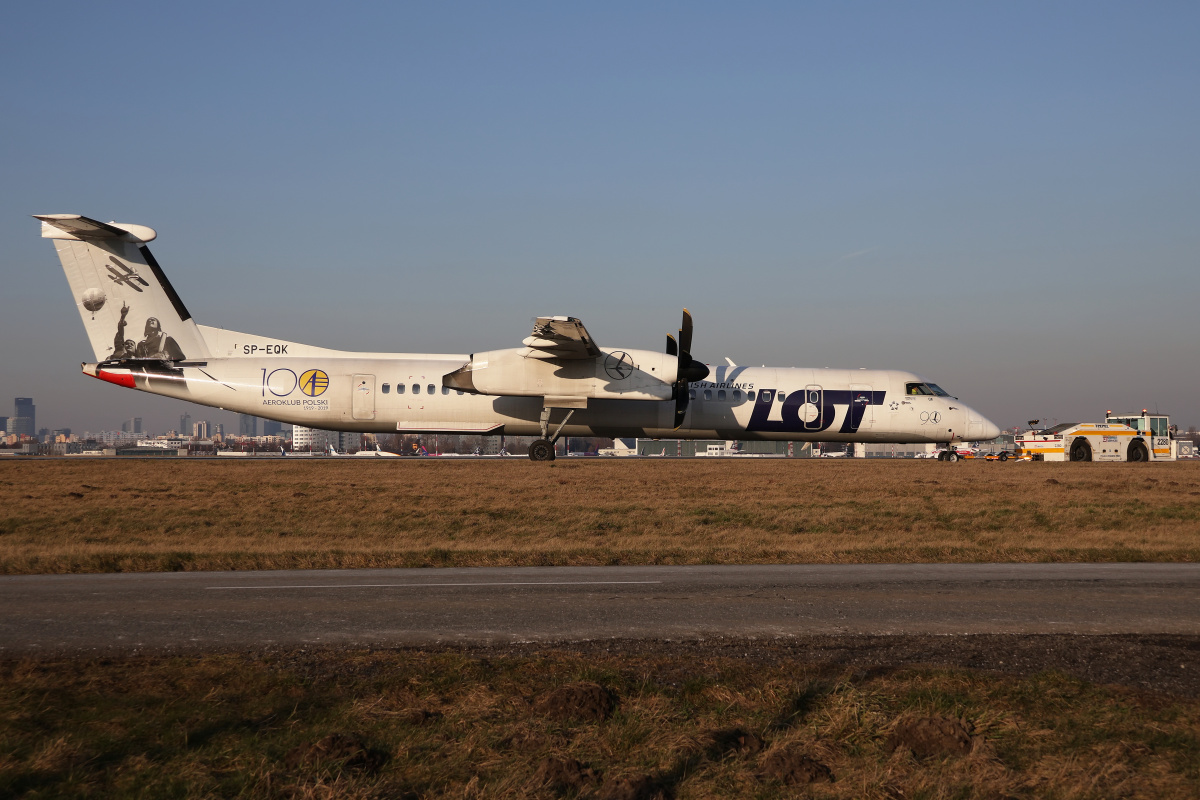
452,724
126,515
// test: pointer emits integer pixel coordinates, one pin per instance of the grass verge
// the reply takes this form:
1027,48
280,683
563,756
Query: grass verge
552,723
114,515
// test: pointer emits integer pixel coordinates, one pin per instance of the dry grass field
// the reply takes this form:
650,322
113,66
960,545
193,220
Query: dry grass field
405,724
110,515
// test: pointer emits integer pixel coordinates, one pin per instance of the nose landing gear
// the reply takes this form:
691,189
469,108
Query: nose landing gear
948,454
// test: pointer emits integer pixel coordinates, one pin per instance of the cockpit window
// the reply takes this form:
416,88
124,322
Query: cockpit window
925,389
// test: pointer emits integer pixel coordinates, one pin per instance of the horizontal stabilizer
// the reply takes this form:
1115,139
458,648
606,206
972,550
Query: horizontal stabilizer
73,226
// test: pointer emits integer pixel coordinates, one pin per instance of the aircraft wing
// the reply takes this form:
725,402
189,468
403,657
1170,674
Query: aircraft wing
560,337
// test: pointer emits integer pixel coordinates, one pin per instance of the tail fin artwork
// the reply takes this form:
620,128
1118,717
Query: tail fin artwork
128,306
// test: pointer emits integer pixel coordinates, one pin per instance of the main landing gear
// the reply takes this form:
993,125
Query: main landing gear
949,454
543,449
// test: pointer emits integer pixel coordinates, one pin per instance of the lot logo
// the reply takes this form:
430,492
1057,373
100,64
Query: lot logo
811,411
314,382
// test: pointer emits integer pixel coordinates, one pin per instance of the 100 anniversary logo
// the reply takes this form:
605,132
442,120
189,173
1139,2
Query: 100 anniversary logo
281,383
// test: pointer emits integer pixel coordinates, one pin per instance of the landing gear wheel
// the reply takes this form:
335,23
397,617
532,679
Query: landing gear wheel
1081,450
952,455
1137,452
541,450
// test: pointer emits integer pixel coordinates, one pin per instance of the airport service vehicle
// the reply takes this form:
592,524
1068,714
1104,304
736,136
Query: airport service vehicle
954,454
1121,437
559,382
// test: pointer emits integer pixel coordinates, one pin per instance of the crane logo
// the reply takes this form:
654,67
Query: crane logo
618,365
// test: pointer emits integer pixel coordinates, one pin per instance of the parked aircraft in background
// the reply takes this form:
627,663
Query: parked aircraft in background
559,382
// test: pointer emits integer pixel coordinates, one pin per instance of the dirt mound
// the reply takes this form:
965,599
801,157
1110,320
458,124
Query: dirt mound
638,787
345,750
585,701
932,736
724,741
564,774
794,768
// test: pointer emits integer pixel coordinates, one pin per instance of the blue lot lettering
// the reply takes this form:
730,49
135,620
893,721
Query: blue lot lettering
855,400
266,349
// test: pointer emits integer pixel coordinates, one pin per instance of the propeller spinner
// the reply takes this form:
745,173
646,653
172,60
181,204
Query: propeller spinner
688,369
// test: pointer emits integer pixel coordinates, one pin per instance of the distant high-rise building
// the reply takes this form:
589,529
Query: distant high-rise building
218,429
185,423
247,425
132,425
201,430
24,420
271,428
4,424
315,440
24,407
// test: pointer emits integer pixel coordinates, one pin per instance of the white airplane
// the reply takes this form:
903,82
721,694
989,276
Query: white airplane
558,383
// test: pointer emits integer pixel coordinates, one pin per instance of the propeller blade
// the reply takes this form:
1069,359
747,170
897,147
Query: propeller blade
672,346
685,335
687,370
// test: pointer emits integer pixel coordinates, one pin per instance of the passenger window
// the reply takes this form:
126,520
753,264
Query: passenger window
814,397
386,388
416,388
445,390
708,394
458,392
720,394
399,388
431,389
750,396
780,397
692,394
737,395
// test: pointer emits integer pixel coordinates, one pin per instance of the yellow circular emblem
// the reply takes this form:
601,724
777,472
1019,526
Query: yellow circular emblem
314,382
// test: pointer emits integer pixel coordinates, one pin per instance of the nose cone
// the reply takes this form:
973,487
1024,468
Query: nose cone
980,428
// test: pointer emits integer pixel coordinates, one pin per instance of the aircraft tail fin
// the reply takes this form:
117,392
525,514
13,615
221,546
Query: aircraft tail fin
128,307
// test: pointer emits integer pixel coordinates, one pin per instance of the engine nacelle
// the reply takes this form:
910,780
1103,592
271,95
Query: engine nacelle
616,374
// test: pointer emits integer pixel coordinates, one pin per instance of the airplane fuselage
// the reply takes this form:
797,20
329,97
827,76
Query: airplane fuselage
376,393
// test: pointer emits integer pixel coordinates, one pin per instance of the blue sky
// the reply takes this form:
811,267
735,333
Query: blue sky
1003,198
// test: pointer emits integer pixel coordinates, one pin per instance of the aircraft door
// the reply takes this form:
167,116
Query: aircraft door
362,404
814,403
860,397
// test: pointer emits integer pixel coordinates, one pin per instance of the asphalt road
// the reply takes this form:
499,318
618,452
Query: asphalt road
52,614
